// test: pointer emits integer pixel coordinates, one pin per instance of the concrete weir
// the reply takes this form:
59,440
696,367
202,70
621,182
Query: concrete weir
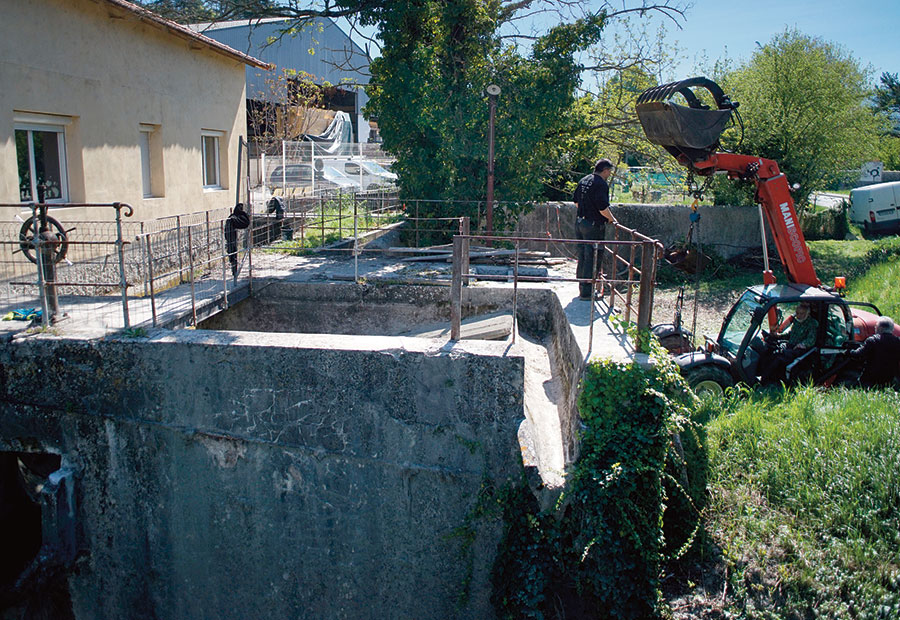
294,456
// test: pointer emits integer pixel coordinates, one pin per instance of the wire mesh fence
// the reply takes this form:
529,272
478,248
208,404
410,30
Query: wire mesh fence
89,263
303,169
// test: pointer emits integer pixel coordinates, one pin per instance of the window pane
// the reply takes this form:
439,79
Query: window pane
210,161
24,165
47,166
145,163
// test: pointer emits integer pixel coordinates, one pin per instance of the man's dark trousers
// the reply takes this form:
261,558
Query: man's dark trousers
586,230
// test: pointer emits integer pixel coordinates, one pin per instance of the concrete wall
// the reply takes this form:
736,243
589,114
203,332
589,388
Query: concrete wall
728,231
107,73
236,475
340,308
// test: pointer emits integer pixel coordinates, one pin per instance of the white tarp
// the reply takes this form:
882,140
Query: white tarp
335,138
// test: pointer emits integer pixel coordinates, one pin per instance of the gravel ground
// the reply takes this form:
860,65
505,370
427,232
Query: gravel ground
711,309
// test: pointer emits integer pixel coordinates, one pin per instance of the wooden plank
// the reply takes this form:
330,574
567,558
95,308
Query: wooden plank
495,326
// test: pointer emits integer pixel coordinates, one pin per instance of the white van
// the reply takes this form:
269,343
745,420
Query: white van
876,207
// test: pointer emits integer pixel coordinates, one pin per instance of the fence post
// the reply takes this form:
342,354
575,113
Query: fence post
355,242
143,249
464,229
120,244
456,289
178,251
191,276
645,296
150,276
516,291
224,264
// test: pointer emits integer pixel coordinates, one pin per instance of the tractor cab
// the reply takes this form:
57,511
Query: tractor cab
758,326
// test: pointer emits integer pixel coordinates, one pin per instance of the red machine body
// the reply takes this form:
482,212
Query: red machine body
690,133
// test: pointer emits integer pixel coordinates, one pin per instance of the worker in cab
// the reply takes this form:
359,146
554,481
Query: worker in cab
801,337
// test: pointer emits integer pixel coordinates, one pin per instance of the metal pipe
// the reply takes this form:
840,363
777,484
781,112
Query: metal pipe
515,291
456,290
178,241
224,265
493,90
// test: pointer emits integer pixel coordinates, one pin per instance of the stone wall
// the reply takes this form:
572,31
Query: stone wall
728,231
238,475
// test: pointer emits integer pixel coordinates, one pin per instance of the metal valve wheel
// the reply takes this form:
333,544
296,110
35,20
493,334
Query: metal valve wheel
55,230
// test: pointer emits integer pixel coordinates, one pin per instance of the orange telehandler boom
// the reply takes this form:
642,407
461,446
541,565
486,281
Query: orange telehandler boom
691,133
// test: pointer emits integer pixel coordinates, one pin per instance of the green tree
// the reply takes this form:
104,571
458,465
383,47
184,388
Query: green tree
427,91
195,11
887,95
804,103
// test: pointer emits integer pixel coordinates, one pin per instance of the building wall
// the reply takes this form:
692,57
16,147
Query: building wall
109,74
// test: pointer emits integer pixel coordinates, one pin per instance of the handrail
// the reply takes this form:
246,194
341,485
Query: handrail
651,251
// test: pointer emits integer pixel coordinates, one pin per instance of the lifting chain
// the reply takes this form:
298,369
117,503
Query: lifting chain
694,188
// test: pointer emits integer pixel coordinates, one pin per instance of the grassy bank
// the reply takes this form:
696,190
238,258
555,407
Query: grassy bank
805,503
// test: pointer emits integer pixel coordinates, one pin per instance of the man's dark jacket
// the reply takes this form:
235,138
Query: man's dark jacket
881,354
592,197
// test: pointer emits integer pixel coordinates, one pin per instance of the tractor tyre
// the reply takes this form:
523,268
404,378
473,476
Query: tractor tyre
708,380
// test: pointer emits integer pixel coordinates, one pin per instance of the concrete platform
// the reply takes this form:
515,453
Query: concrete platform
174,306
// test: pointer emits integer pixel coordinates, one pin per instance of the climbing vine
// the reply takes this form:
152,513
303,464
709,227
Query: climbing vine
629,503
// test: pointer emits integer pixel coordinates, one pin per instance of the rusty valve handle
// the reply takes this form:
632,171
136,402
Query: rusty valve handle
55,236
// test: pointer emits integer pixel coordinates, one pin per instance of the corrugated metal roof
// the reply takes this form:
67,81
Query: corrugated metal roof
183,32
319,48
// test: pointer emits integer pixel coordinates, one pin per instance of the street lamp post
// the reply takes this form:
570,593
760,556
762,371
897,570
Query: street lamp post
493,90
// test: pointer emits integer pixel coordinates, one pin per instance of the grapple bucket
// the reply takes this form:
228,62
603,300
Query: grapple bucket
690,131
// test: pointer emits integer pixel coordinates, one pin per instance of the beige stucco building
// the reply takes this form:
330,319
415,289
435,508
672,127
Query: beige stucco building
103,101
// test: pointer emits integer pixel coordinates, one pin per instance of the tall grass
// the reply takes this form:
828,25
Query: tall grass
879,286
805,502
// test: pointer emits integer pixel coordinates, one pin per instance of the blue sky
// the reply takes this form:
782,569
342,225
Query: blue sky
870,31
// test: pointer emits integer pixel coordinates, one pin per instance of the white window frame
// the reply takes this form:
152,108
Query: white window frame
218,136
26,121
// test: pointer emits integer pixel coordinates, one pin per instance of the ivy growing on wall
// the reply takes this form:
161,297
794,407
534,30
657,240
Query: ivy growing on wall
631,502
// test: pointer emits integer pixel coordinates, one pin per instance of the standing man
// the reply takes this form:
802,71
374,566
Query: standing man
880,354
592,200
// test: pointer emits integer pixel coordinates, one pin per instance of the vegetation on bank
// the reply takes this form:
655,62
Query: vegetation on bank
790,498
804,502
631,503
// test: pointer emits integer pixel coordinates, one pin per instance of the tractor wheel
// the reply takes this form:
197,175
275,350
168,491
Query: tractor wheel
708,380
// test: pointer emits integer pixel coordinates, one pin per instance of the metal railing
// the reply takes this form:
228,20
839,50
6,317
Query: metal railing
108,271
625,274
44,242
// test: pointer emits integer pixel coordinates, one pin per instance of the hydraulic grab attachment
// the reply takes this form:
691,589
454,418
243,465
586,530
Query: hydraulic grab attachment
691,132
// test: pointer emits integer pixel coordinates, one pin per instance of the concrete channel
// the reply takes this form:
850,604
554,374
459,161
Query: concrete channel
301,454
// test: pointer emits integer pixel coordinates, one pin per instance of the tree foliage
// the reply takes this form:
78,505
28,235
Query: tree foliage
427,86
804,104
195,11
887,94
427,91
